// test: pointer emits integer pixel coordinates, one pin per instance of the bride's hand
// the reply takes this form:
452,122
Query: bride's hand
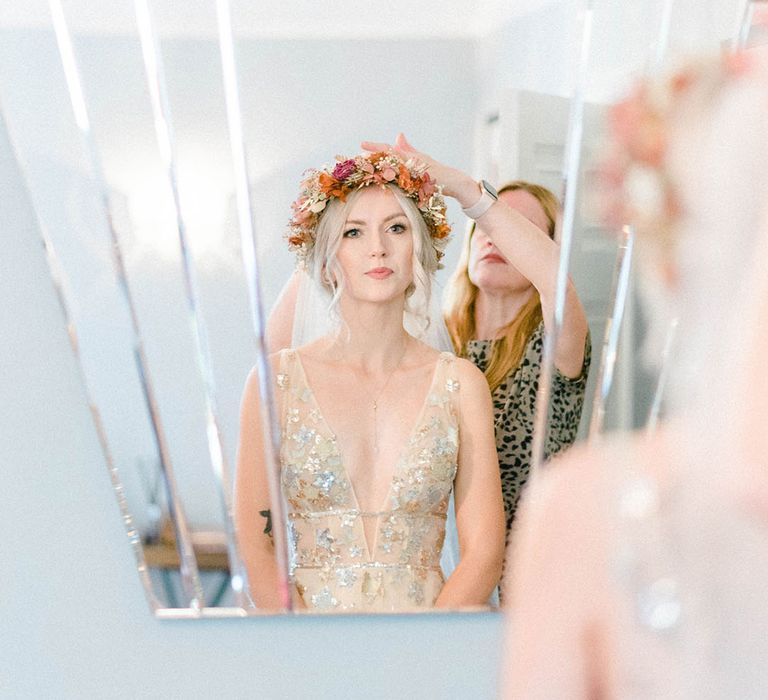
455,183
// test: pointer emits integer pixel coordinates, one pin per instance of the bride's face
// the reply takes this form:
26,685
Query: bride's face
376,250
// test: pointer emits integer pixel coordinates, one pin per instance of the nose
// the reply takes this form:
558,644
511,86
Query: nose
481,238
378,245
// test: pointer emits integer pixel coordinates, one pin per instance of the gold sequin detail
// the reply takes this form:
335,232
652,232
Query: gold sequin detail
331,562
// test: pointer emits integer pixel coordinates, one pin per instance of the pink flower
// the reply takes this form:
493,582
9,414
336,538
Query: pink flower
343,169
388,173
302,217
427,188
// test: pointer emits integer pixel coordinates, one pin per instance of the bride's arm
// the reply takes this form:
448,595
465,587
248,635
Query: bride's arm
479,506
252,506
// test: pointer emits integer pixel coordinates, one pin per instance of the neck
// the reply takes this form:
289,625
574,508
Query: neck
495,309
372,337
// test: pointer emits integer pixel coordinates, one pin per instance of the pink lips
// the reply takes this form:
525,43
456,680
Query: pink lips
493,257
380,273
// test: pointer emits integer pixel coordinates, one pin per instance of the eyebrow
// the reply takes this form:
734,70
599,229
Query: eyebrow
357,222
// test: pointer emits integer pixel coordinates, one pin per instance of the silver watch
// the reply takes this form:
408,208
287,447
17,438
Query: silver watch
488,196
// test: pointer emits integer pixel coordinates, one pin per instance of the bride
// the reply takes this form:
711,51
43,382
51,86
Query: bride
377,427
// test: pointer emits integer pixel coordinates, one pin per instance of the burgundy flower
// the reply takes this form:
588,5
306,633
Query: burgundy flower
343,169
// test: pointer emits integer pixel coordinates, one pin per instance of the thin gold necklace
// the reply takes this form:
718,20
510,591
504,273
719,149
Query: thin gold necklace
378,397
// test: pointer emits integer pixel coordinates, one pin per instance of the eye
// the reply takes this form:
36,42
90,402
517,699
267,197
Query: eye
352,233
398,228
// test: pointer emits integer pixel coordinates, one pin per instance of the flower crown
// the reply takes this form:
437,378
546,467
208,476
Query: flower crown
350,174
637,184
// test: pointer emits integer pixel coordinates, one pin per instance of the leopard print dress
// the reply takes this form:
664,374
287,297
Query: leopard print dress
514,402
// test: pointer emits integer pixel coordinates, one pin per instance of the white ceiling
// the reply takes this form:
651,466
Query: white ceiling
283,18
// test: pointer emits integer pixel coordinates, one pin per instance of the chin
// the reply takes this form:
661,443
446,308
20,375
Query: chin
499,280
378,296
490,279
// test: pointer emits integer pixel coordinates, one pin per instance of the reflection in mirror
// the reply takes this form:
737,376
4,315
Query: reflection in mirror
95,291
142,210
380,423
157,536
303,99
618,302
278,585
79,220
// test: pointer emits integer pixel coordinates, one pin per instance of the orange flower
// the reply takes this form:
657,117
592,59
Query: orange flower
441,231
404,179
331,187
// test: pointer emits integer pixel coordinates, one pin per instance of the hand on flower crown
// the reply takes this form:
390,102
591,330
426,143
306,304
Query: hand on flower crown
449,178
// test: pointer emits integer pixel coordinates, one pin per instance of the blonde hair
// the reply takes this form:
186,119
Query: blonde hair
461,295
323,265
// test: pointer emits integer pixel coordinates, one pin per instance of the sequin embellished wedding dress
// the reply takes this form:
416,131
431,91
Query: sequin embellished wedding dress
333,565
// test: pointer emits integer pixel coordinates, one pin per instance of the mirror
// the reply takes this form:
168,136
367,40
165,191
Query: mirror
165,367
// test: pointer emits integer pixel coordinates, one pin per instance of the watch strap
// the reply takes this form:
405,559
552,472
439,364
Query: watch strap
487,197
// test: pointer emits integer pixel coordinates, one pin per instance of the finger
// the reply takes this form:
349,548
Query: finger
375,146
402,142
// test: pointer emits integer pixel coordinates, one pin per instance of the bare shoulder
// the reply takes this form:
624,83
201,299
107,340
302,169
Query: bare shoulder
471,378
467,369
252,382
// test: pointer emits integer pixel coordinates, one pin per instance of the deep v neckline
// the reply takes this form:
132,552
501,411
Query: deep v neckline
399,455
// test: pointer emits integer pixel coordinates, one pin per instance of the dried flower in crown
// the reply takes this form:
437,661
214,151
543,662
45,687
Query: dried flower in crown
350,174
637,188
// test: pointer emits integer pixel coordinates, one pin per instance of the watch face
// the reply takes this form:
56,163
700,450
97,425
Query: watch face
489,188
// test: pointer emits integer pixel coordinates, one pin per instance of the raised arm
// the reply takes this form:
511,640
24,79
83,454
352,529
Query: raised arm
479,506
521,242
253,520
